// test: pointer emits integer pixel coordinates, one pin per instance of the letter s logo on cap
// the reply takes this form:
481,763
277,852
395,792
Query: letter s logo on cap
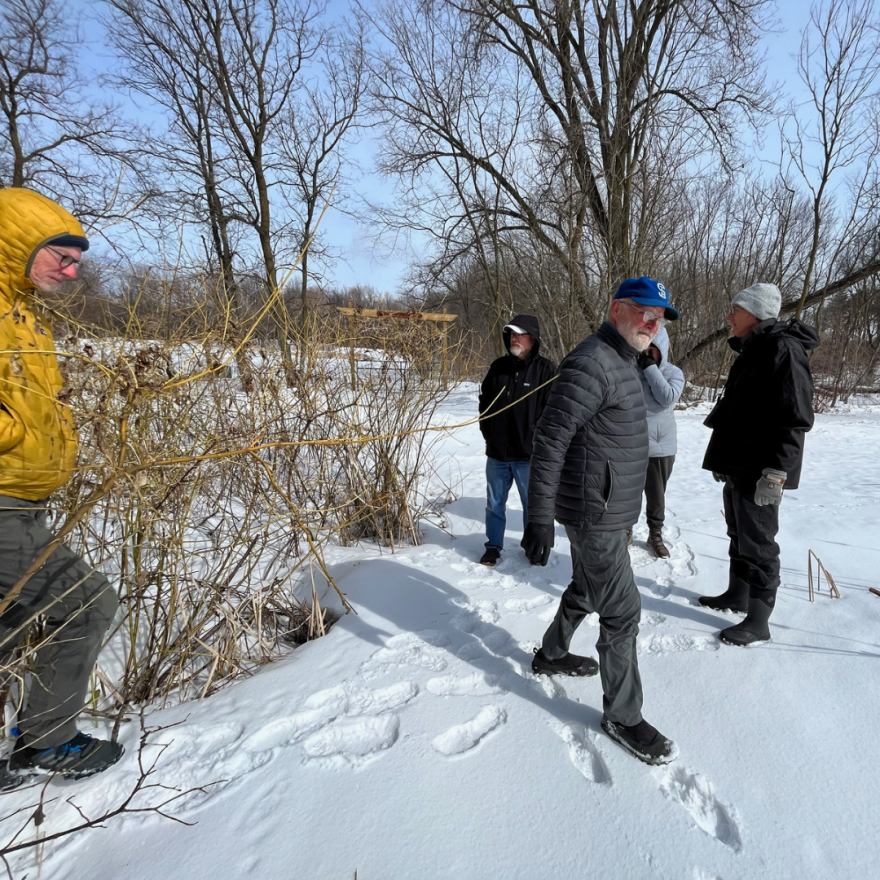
662,291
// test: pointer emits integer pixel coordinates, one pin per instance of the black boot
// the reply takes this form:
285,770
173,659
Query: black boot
755,628
734,598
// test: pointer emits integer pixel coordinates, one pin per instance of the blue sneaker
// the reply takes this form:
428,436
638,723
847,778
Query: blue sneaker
80,757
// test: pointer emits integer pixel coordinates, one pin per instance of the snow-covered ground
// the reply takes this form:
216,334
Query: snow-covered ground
414,742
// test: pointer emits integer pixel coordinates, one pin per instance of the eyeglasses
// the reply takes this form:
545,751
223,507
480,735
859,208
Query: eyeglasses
64,260
647,316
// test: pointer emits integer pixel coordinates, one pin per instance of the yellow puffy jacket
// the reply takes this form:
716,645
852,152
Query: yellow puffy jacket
37,434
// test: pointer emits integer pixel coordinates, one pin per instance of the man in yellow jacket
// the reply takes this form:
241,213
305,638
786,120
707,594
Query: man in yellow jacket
41,246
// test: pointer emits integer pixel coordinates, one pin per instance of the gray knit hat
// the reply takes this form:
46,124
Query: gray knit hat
761,300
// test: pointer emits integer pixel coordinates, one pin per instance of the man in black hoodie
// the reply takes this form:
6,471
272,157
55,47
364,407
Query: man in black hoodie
757,446
517,378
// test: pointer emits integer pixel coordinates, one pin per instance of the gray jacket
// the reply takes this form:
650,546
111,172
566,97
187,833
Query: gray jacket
590,449
662,385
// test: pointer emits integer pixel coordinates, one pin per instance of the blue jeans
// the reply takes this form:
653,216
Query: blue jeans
499,478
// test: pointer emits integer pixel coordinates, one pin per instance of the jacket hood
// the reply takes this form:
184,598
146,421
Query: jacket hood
529,323
28,220
793,328
661,340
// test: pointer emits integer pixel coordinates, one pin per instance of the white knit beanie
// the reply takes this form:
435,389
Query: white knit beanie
761,300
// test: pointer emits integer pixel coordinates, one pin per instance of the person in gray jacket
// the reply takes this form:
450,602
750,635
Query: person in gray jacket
662,384
589,458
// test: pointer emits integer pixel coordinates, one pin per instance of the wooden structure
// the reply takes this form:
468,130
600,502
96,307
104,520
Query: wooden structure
355,315
832,587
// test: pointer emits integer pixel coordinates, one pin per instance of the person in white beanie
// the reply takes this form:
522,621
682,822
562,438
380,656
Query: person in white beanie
756,449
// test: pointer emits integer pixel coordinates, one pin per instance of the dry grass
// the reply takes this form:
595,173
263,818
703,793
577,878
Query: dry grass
211,506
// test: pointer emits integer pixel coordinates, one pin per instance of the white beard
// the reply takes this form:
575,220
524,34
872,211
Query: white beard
639,338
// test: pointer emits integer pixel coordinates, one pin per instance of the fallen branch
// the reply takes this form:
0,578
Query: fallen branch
37,812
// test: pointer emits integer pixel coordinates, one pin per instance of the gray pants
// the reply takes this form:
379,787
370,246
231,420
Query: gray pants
79,605
602,582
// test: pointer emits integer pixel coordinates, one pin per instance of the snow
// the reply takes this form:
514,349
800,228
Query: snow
413,740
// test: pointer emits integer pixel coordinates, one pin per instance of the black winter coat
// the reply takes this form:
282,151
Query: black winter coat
508,435
766,407
590,452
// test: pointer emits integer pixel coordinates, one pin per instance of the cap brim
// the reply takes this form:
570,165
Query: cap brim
514,329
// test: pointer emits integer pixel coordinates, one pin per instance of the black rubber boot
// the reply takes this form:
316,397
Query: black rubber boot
755,628
734,598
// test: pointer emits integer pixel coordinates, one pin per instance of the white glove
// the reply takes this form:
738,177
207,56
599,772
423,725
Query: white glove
769,488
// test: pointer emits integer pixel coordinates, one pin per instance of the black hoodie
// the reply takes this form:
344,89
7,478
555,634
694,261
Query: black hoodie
508,434
766,407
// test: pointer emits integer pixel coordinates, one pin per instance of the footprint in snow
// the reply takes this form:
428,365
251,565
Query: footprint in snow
475,685
661,588
669,644
407,649
324,707
201,756
584,753
697,795
351,740
652,618
483,609
464,737
524,606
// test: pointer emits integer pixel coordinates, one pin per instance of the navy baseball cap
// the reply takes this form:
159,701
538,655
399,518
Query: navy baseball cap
647,292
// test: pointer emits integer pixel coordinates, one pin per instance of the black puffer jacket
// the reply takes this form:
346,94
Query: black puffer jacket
766,407
590,452
508,435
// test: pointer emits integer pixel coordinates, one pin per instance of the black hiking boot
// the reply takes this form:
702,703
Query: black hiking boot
490,557
754,630
655,542
734,598
570,664
80,757
642,740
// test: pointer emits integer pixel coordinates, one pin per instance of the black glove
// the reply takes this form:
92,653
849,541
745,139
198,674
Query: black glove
538,541
719,478
645,360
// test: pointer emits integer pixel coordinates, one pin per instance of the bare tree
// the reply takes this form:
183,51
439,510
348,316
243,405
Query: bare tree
606,91
55,135
318,123
839,64
258,109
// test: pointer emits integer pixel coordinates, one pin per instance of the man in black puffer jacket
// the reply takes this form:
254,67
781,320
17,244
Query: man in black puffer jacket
516,378
589,459
757,446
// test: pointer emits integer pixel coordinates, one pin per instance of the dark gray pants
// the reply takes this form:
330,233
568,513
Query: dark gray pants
602,582
659,471
79,605
753,551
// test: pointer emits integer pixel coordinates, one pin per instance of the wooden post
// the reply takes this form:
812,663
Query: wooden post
352,328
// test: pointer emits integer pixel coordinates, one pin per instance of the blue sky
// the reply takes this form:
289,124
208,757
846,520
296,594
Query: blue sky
364,265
